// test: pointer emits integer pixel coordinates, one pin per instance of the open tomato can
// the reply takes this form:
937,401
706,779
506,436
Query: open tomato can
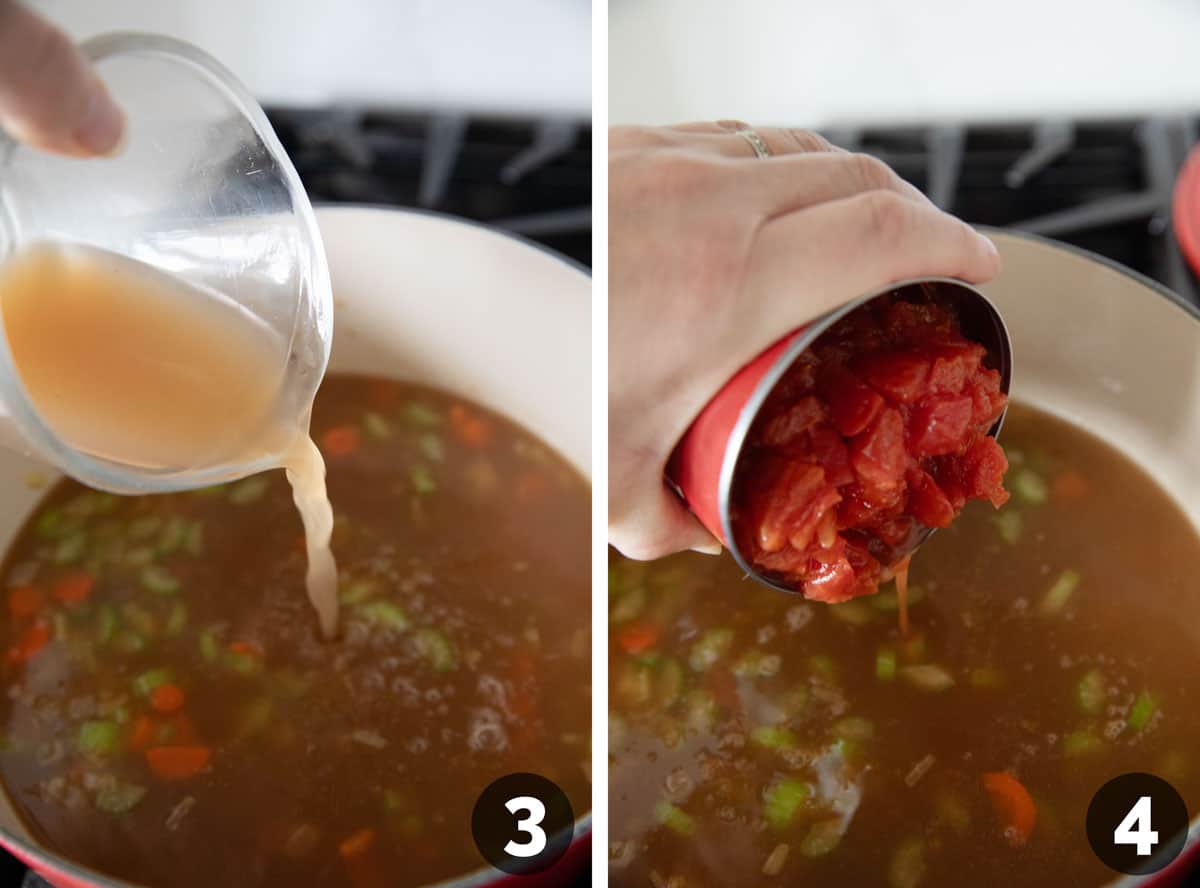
703,467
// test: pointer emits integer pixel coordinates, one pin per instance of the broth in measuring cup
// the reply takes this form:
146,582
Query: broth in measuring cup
131,364
171,716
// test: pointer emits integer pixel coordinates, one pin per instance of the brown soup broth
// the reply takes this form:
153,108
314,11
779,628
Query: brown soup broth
759,738
463,655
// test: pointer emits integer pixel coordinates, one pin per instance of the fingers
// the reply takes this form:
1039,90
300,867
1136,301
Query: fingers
49,95
660,526
835,252
720,137
780,185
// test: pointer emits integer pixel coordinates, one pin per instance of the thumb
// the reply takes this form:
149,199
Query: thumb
49,95
658,526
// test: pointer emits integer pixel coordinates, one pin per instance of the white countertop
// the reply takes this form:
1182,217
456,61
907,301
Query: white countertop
516,56
810,63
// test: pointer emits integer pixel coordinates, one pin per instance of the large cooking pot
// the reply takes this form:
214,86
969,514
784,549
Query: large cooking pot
1119,355
452,304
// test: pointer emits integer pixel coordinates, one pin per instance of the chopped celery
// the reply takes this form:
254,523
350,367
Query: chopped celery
156,578
635,684
106,623
129,642
121,714
675,819
907,867
242,663
177,620
1060,593
211,491
889,600
928,677
709,648
756,664
145,683
254,717
52,524
914,649
437,649
421,416
1081,742
357,592
1142,711
853,727
1090,692
172,536
384,613
773,737
70,548
628,604
139,556
822,837
431,447
701,709
422,479
143,527
248,490
953,811
782,800
855,612
117,798
668,682
193,544
1030,486
210,648
98,737
885,664
376,426
139,618
986,678
1010,526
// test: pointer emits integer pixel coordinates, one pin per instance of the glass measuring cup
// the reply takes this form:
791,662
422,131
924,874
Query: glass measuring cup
202,190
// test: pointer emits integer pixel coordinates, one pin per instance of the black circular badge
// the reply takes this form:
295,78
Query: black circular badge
1137,823
522,824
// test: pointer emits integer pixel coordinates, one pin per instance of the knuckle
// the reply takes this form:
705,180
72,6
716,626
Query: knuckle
871,172
886,217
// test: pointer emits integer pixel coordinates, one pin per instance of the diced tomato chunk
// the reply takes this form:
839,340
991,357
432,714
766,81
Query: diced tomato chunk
787,426
927,502
938,424
853,405
878,455
878,431
902,377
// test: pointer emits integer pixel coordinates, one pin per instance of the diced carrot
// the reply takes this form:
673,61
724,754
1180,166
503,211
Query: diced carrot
74,588
142,733
1070,485
25,601
341,440
177,762
246,648
31,641
167,698
472,429
531,484
637,638
357,845
1014,806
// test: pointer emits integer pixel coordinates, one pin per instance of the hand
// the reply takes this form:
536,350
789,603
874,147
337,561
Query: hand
50,96
714,254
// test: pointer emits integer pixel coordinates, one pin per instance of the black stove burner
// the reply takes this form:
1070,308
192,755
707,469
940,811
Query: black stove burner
1104,186
529,177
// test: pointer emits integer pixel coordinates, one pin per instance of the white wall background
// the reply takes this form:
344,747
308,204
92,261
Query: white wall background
816,62
523,56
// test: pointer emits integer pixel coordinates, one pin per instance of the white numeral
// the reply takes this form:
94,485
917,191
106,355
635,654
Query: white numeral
537,836
1135,828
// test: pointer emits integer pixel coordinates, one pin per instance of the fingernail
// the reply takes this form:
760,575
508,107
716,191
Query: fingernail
713,548
989,246
103,125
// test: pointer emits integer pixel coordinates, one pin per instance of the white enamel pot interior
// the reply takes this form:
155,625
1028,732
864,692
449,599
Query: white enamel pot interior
1120,356
431,299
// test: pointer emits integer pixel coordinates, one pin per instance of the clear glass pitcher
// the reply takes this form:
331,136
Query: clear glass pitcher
200,189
